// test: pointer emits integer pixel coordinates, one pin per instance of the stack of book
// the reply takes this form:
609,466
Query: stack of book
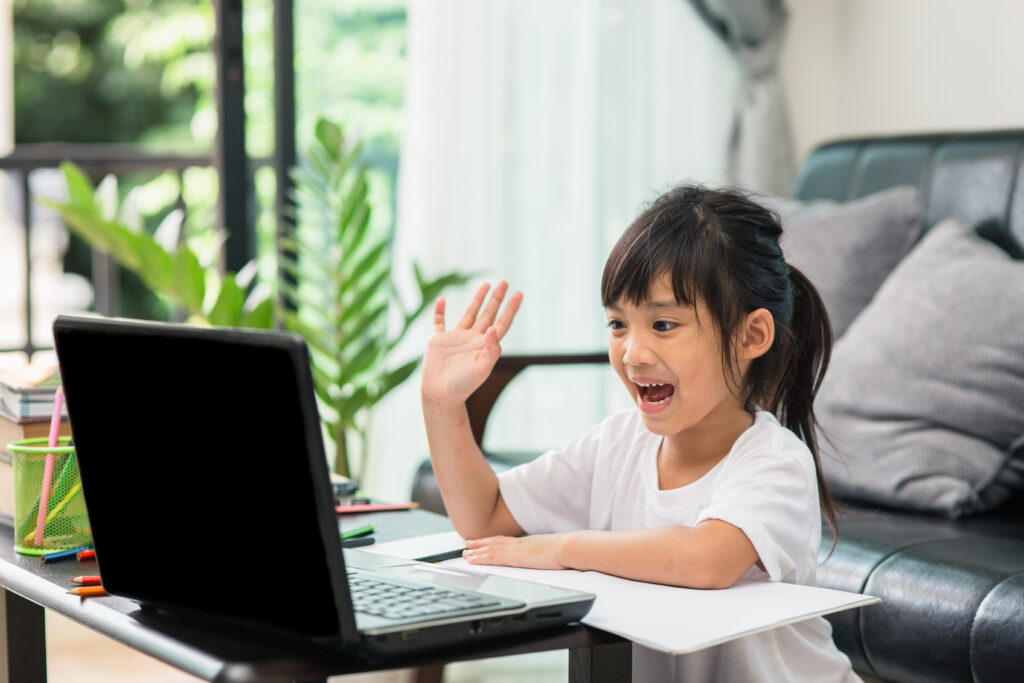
27,397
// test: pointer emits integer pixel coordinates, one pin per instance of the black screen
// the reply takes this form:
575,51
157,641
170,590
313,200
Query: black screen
199,470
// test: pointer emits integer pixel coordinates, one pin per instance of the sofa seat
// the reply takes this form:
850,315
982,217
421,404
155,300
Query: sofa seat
952,594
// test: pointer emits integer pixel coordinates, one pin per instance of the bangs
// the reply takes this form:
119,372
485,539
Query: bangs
680,247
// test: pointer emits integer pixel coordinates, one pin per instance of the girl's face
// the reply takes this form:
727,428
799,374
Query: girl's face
670,359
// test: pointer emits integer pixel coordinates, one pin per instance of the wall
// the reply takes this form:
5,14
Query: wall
865,67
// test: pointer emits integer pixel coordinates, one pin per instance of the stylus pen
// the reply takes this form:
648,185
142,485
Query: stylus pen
357,542
441,557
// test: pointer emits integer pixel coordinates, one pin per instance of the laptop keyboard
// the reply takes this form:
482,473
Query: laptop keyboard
371,595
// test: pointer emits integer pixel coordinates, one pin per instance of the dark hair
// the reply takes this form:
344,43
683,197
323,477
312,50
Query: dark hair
722,247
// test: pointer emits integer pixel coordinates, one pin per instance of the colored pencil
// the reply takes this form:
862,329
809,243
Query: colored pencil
44,492
357,542
87,580
65,554
89,554
88,591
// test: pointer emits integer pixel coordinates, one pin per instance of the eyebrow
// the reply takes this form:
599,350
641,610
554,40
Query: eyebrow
653,305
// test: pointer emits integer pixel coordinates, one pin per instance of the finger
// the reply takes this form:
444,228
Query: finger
508,315
481,542
469,317
439,315
490,312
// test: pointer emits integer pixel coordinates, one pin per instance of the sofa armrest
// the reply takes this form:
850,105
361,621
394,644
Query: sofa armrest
479,406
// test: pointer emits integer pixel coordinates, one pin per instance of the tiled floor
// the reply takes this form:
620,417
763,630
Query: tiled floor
76,654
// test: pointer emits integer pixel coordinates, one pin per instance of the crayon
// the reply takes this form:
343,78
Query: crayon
87,580
65,554
88,591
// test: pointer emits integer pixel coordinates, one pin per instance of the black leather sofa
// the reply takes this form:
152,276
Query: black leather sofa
952,590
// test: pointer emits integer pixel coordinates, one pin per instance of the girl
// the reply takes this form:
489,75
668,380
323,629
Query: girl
713,477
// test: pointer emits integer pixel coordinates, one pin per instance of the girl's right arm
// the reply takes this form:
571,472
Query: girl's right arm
456,363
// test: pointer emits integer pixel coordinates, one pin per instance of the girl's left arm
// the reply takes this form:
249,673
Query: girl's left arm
712,554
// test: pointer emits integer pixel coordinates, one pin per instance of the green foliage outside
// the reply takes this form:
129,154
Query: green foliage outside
336,291
143,72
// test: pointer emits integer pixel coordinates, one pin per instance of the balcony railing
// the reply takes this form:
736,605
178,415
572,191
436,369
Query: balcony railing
96,161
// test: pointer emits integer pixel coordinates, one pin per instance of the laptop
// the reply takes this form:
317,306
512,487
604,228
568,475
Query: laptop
207,492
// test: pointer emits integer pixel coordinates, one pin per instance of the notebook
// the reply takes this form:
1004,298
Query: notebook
207,492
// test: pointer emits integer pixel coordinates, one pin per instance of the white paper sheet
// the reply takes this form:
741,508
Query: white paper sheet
677,620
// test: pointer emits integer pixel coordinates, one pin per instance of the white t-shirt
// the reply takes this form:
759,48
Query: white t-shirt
765,486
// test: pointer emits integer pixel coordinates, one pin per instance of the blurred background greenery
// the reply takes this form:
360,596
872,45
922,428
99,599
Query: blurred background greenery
143,72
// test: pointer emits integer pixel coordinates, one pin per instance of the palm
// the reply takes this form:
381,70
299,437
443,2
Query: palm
458,360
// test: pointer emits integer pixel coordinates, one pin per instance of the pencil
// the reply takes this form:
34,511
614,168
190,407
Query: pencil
65,554
88,554
357,542
44,493
88,591
91,580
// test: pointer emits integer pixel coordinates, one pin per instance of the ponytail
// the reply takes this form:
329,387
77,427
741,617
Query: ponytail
796,367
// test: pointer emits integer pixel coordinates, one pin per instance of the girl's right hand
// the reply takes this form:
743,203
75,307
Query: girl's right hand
458,360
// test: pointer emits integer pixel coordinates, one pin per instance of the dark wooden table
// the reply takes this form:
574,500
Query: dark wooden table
214,653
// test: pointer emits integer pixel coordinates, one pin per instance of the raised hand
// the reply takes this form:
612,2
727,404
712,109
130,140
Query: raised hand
458,360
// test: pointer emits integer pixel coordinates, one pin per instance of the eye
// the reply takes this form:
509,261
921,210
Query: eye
664,326
614,324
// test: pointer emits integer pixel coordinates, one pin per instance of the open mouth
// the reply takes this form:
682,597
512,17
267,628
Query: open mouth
654,394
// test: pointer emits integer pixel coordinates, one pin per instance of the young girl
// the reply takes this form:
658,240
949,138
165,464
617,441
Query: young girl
713,477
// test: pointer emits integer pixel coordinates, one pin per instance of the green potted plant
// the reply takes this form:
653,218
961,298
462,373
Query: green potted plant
336,288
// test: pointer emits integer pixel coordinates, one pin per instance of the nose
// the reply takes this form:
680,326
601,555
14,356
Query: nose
635,351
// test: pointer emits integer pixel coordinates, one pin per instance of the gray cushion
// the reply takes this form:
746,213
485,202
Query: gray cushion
847,249
924,398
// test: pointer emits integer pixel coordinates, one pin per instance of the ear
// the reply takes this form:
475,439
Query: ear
757,333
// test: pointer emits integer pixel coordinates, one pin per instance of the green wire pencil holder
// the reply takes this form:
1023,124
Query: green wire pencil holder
46,483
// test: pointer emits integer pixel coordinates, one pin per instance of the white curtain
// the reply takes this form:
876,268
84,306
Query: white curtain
533,132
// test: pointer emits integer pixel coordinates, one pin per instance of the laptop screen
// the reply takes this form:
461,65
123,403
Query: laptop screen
201,460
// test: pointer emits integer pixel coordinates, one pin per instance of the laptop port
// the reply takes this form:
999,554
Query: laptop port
410,635
496,621
476,627
549,615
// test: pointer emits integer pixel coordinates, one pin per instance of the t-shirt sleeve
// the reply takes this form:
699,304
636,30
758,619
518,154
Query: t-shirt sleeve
771,498
553,492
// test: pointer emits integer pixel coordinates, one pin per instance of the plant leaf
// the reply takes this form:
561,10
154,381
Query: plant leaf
395,377
228,305
330,137
189,279
80,189
155,264
168,233
106,197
